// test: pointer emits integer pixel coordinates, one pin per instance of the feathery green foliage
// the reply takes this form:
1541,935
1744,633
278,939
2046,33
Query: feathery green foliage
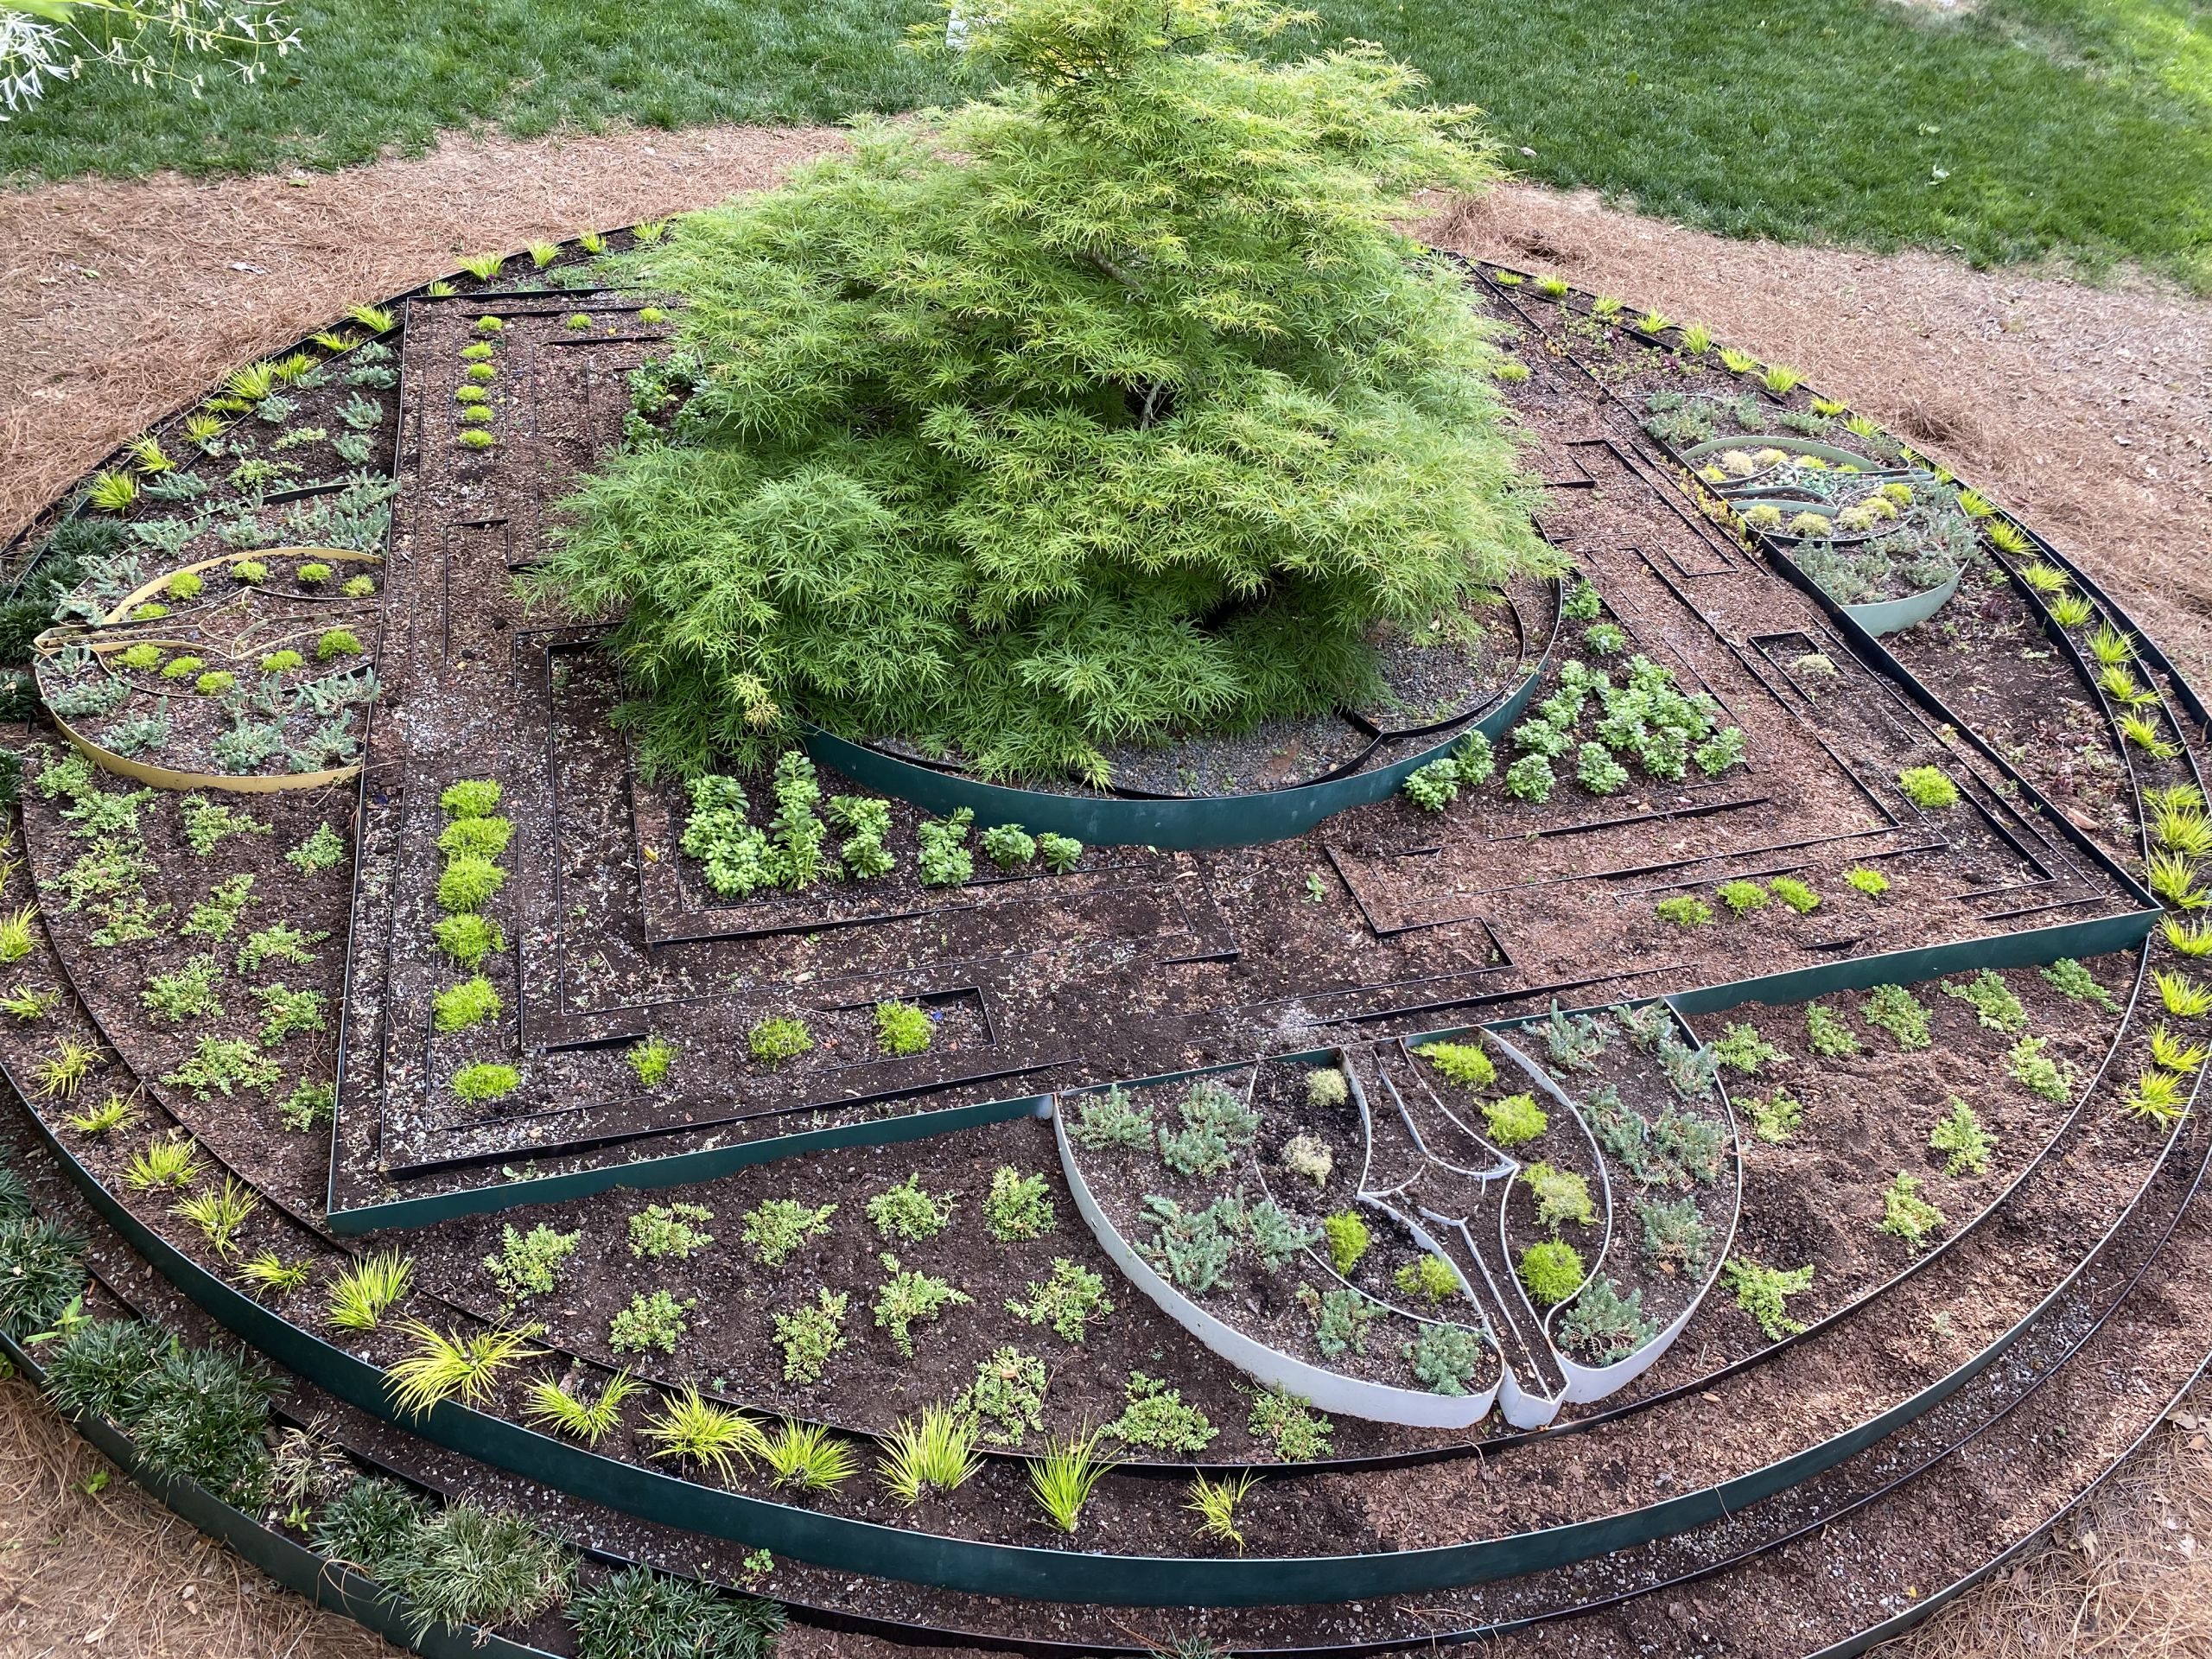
1105,407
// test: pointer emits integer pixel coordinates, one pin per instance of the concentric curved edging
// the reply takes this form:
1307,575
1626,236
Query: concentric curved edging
142,771
1018,1570
299,1569
1332,1391
1182,823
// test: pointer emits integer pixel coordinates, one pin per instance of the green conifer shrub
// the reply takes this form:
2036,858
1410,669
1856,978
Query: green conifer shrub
1077,416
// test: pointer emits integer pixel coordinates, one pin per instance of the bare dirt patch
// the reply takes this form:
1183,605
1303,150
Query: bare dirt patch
2088,408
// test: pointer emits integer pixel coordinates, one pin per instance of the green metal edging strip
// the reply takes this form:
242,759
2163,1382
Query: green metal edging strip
674,1169
299,1569
848,1545
1179,824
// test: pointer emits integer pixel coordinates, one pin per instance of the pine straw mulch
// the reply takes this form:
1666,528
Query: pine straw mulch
2089,409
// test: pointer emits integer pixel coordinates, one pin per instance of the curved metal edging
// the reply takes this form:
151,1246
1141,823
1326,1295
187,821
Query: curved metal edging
1882,616
1329,1391
1177,823
323,1581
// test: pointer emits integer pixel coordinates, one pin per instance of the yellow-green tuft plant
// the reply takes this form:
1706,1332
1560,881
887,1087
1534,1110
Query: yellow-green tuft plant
692,1429
112,492
460,1368
553,1404
361,1293
808,1456
219,1216
933,1454
1063,1480
1216,1503
172,1163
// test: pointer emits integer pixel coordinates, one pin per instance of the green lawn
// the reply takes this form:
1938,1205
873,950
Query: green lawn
2082,127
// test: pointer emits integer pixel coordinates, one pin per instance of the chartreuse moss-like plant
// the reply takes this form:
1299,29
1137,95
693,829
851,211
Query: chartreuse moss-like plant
1514,1119
1110,405
1552,1270
1763,1292
1465,1064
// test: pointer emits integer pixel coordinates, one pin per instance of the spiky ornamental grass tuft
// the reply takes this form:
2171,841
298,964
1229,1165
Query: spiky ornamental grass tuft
1099,495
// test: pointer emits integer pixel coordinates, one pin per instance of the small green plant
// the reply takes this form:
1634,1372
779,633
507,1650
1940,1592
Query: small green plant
468,939
359,587
275,1274
285,1011
807,1457
2160,1096
566,1411
224,1065
776,1229
310,1105
1872,883
1738,362
218,1216
1063,1480
1675,1236
116,1112
467,883
1425,1279
1560,1195
486,1080
325,849
649,1322
945,859
1070,1301
336,642
2176,1053
1465,1064
1929,788
933,1455
2038,1072
1775,1119
1007,1398
1017,1208
313,574
902,1028
1994,1005
690,1430
26,1004
1552,1269
112,492
61,1073
1959,1132
1154,1416
529,1264
1829,1037
469,1003
659,1231
1780,379
810,1335
361,1295
1763,1292
18,939
1215,1503
2191,939
2145,735
774,1041
1514,1119
1740,1048
2182,996
164,1164
442,1366
1348,1239
651,1060
1530,779
1434,786
485,837
908,1298
910,1213
1794,894
1743,896
1683,910
1111,1122
1897,1011
1908,1216
1283,1423
1604,1325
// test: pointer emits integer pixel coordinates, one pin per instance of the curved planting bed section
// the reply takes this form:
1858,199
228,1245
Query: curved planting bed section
1671,1095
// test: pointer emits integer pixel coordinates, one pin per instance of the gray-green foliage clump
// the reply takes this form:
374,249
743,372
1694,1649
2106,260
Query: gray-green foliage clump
1109,405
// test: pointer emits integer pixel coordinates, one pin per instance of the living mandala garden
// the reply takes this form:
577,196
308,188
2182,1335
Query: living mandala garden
1043,887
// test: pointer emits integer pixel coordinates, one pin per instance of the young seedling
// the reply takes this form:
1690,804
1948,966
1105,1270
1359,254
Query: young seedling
1016,1208
774,1041
902,1028
1959,1132
651,1060
219,1216
1908,1216
1762,1292
1870,882
1928,788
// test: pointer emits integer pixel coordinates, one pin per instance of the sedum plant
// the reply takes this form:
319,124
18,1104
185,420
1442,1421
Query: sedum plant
1077,447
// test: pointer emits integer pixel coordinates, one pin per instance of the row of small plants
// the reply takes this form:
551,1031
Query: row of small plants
107,882
204,1415
473,842
739,858
1957,1134
1667,1166
1645,720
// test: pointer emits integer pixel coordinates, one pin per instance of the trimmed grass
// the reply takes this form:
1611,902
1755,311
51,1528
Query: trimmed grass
2075,127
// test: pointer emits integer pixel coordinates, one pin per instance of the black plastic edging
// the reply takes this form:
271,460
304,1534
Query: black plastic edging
299,1569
